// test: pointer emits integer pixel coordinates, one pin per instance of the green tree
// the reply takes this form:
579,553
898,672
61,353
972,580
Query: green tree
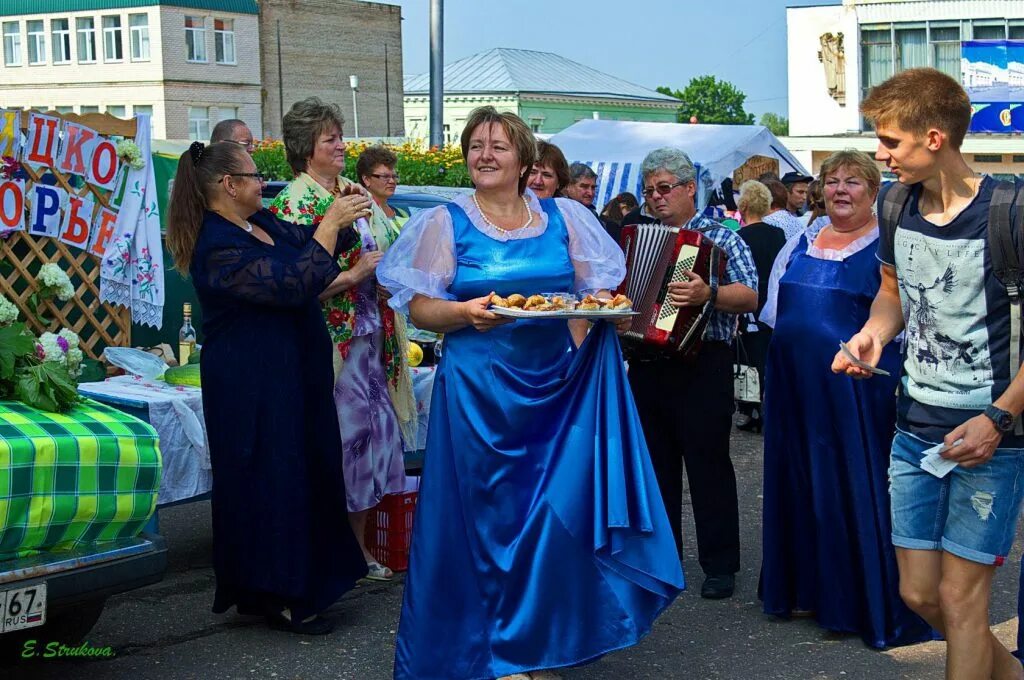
779,125
710,100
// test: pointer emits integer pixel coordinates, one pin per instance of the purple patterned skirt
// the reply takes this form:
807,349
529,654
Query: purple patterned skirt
371,439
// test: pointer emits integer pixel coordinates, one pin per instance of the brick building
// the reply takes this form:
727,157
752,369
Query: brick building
321,46
191,63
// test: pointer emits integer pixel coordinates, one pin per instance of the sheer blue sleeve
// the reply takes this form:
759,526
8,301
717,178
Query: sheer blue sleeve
421,261
769,313
250,274
597,258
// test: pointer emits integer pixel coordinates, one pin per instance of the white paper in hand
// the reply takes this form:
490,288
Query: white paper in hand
934,463
860,364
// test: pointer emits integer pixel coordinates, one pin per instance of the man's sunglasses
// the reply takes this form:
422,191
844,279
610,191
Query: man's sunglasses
663,189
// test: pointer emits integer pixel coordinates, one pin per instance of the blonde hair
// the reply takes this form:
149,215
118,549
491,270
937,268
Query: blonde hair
518,132
754,199
919,99
857,162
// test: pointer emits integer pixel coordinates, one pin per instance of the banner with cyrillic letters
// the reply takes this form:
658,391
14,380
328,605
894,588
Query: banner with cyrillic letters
47,145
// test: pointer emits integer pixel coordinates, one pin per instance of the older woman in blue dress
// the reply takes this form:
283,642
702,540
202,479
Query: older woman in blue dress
535,465
827,546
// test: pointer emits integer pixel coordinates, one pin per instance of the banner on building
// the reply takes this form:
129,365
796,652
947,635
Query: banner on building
992,72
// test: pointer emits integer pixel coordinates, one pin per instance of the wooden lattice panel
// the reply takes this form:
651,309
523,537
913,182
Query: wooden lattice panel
98,324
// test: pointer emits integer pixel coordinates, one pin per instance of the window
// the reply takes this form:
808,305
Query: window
876,56
988,29
226,113
195,38
90,109
224,40
988,158
1018,158
198,123
138,25
65,109
60,34
86,27
946,49
911,46
36,42
116,110
1016,29
147,109
113,50
12,43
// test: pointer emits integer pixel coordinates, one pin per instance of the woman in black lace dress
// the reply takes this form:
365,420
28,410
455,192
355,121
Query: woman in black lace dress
282,545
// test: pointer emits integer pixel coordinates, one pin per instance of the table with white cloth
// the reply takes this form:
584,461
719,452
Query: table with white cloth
176,413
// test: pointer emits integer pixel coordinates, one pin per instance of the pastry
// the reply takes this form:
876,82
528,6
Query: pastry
498,301
516,300
534,301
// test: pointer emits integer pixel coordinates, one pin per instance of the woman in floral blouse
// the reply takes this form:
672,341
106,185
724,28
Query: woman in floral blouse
373,388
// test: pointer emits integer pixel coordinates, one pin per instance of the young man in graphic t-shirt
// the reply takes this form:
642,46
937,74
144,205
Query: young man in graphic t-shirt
938,285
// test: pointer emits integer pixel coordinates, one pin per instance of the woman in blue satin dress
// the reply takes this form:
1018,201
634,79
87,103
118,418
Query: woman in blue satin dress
827,539
540,539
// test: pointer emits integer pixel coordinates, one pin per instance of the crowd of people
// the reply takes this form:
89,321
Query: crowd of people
548,526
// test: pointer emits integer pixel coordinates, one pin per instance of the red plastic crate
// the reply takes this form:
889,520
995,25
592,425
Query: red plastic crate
389,530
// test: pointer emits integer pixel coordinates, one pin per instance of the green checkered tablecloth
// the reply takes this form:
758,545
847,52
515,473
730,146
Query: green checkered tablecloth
88,475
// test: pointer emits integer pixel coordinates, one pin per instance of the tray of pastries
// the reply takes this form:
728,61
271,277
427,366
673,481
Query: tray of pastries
561,306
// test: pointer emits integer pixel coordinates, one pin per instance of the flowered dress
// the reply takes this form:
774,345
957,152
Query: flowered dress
373,387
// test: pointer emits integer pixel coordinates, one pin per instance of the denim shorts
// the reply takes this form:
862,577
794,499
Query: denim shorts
971,512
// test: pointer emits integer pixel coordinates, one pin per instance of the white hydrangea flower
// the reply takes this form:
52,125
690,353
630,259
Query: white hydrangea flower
74,362
55,281
51,350
71,337
8,311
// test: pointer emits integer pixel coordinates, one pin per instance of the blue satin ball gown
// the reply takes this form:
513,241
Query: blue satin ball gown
540,539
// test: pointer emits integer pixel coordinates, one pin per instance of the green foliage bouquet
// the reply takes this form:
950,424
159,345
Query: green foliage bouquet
37,371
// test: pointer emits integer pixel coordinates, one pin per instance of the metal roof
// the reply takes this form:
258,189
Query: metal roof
527,71
20,7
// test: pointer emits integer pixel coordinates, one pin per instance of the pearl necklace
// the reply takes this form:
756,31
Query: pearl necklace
492,225
248,227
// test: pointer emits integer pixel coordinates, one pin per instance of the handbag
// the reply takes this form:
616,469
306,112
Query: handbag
745,379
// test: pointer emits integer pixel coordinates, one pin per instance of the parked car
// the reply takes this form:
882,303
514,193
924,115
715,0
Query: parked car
60,595
411,202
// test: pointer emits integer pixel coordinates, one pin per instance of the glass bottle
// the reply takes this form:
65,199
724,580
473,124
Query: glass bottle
186,336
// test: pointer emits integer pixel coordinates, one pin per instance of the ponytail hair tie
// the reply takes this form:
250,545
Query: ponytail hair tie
195,150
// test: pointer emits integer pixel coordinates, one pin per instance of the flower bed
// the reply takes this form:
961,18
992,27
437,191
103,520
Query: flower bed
416,166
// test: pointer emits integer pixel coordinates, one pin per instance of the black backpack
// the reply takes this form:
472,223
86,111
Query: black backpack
1006,257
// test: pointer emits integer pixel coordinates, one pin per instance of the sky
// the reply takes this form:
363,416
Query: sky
647,42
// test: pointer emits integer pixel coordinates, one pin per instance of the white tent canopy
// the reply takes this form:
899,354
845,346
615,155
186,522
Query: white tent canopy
615,149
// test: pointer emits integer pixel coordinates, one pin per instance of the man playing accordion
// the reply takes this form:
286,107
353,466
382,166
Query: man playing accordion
686,405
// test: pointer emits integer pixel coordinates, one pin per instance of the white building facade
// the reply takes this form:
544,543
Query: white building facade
188,67
837,53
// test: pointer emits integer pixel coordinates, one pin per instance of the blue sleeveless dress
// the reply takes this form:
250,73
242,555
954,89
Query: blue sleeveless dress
827,537
540,539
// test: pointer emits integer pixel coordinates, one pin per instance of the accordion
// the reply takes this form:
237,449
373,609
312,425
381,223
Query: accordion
657,255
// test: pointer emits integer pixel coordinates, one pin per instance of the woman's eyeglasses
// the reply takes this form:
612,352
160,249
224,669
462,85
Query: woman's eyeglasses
386,178
257,175
663,188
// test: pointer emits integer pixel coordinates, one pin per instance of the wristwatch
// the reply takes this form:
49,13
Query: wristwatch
1003,420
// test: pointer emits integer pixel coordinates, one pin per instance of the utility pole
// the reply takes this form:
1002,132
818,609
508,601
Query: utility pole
280,83
354,82
436,72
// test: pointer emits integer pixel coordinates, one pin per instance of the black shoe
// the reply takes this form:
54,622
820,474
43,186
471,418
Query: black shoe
749,425
318,626
718,587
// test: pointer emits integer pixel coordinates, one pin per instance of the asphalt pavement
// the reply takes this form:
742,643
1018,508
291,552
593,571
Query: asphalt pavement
167,630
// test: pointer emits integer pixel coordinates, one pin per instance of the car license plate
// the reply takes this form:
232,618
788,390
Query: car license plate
23,608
